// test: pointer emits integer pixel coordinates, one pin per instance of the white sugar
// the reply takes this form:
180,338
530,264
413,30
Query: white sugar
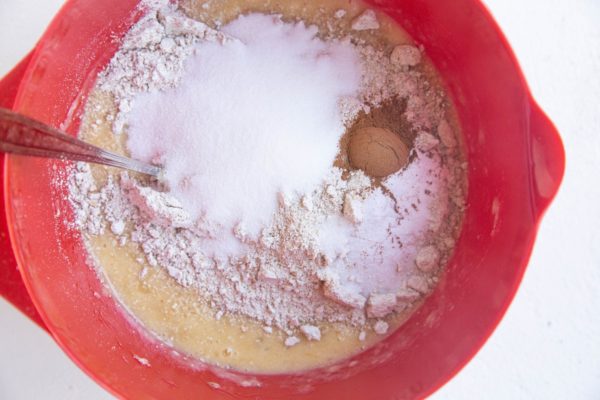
250,118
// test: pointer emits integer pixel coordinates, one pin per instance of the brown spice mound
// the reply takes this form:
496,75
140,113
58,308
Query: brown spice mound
378,142
377,151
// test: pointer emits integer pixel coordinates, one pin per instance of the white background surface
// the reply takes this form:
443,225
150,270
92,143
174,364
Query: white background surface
548,345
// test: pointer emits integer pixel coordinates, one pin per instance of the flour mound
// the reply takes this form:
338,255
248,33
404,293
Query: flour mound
254,216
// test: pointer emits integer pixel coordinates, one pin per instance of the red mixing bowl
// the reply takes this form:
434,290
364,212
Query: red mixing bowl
516,162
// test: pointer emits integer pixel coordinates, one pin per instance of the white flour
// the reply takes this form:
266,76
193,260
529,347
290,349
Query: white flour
345,250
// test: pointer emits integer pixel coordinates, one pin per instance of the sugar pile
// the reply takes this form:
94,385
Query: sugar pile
257,116
247,122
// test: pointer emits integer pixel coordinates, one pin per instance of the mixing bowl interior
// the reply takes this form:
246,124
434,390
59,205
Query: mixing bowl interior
515,165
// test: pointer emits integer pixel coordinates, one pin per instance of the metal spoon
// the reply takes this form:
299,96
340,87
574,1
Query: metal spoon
23,135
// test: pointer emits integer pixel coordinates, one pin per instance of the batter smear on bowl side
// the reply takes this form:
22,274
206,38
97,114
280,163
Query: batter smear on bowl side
314,179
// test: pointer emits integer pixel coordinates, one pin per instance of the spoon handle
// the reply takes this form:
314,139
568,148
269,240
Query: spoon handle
25,136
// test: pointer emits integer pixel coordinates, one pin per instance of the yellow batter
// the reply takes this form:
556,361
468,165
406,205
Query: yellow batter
176,314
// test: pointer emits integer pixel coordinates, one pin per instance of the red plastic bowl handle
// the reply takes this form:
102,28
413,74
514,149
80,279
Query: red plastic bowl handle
11,284
548,158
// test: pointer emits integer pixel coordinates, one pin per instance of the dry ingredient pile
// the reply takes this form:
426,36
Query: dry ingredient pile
308,178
